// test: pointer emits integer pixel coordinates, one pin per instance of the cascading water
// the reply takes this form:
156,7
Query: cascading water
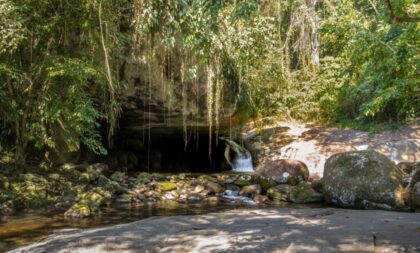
242,161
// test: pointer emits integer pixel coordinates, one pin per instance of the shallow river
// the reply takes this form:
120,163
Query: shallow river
26,227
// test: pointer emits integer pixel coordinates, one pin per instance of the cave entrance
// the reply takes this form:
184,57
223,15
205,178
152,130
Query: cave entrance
167,153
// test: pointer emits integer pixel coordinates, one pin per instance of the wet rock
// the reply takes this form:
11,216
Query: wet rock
166,186
250,190
304,193
260,199
95,170
283,170
280,192
351,178
214,187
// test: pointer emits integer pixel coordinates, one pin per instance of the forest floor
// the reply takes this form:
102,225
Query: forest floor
264,230
313,144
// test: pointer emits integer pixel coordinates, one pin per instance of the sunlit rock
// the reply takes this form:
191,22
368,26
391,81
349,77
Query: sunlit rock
283,170
352,178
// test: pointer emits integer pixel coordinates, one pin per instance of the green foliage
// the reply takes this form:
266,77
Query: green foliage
329,61
380,65
53,84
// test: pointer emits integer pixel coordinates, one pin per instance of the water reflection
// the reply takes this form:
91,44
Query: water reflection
24,228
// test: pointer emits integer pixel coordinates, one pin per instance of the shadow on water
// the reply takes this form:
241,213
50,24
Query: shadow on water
26,227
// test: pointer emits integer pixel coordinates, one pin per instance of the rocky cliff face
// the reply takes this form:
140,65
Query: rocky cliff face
167,92
164,119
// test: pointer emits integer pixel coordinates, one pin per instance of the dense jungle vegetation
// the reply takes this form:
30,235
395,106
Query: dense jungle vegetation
330,61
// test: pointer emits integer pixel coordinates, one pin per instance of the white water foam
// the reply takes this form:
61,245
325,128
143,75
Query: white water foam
243,162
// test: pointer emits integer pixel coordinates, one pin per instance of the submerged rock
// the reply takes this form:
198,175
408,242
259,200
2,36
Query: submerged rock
354,178
304,193
283,170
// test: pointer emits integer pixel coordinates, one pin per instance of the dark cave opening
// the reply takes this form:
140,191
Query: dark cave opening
167,152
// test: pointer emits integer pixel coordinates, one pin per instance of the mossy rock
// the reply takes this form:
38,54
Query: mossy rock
354,178
266,183
79,210
242,182
118,176
110,185
304,193
208,178
93,199
144,177
317,185
158,176
126,198
280,192
166,186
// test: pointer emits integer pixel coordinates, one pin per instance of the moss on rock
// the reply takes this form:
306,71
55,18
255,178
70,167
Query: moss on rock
166,186
354,178
304,193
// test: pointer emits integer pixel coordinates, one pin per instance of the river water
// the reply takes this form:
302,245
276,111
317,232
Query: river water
29,226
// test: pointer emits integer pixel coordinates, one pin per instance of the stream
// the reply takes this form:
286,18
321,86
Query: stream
29,226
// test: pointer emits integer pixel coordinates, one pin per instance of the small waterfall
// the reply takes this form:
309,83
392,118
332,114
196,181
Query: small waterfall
242,162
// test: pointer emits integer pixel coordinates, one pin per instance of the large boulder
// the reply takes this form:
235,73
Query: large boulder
358,178
283,170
